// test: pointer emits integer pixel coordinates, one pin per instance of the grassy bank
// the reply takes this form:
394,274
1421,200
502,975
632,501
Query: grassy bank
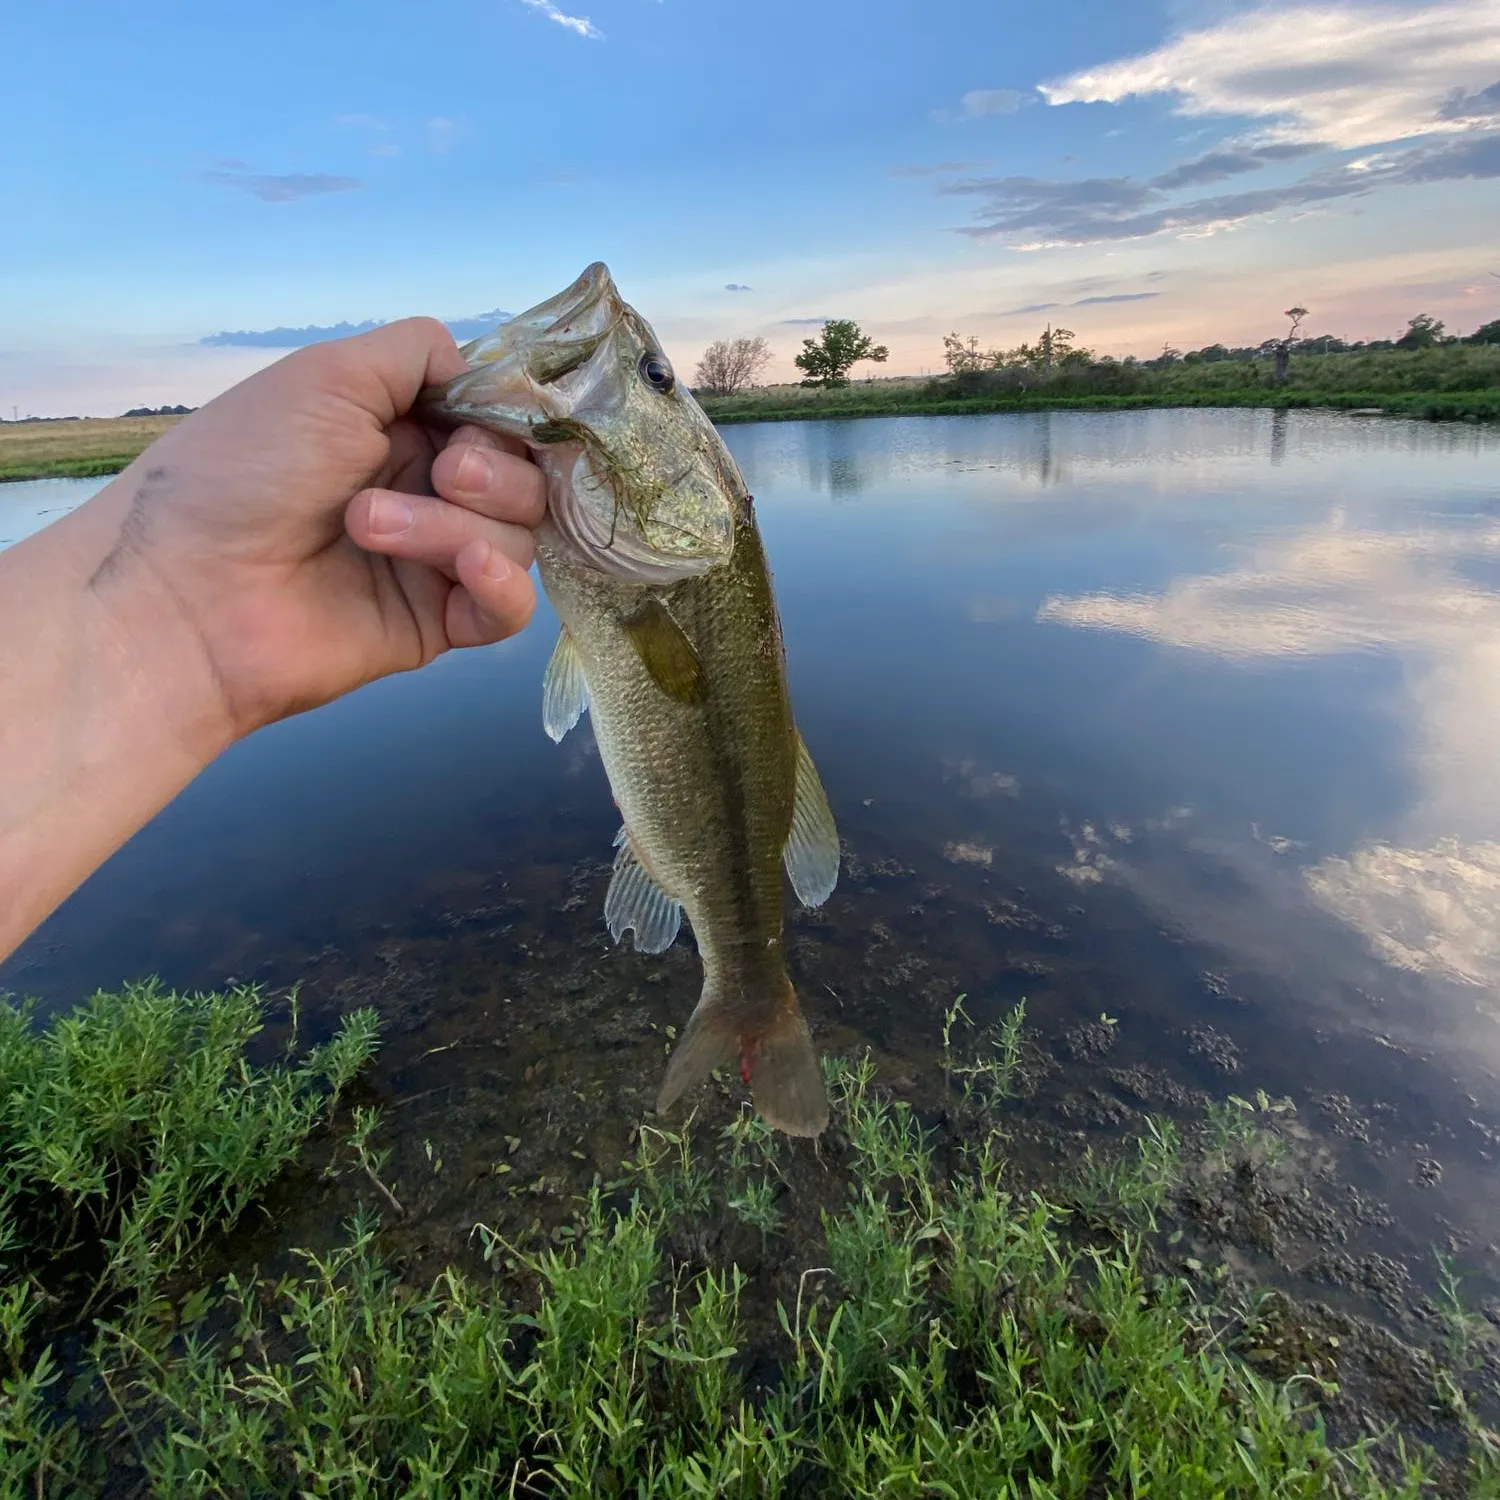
1449,383
75,449
944,1335
873,402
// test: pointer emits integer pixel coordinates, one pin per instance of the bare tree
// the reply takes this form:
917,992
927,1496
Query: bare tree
1281,349
730,365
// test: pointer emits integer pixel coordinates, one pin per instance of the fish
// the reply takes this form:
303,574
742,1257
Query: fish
671,641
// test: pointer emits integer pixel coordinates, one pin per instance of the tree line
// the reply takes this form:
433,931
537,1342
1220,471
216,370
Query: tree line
1056,349
733,365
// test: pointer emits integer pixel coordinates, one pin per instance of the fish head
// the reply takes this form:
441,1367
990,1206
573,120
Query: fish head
638,479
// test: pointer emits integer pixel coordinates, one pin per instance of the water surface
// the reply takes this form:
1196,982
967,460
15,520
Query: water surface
1188,719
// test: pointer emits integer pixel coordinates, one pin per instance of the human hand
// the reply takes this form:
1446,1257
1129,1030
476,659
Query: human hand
302,535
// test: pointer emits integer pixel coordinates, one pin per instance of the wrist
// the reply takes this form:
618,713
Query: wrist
147,661
107,710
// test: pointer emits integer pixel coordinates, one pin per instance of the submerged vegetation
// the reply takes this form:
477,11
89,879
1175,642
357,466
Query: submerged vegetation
945,1334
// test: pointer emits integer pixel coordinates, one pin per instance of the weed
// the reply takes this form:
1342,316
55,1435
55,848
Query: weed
953,1339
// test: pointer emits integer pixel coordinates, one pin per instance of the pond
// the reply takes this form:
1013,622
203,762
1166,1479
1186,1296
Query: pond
1183,726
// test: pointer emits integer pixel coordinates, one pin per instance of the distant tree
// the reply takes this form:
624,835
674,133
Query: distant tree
1281,349
962,355
1054,345
1423,332
730,365
826,361
1486,333
1325,343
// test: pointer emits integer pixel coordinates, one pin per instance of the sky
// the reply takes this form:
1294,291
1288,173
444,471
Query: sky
193,189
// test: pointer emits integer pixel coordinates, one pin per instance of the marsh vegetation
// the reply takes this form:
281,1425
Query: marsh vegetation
933,1328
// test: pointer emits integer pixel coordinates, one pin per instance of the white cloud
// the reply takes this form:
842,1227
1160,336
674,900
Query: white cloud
1431,910
1427,898
579,24
979,102
1341,74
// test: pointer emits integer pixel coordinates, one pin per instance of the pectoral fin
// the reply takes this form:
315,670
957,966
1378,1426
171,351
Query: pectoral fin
812,847
666,653
565,694
635,903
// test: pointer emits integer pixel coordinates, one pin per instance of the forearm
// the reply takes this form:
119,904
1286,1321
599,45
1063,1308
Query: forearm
107,707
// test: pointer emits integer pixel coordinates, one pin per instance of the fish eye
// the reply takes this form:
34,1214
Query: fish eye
657,373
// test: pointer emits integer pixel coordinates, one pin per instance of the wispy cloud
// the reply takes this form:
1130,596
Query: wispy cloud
804,322
1032,213
1349,75
735,286
1483,104
1114,297
1040,307
1228,161
321,333
581,25
979,102
935,169
284,188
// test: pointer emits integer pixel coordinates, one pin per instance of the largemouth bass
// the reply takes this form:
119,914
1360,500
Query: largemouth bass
670,640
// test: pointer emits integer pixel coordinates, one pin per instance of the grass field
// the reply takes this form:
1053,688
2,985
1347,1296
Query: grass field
75,449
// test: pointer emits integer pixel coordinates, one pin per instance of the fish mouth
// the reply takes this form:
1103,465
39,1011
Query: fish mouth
657,551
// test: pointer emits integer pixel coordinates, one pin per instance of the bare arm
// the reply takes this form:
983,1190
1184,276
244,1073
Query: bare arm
296,538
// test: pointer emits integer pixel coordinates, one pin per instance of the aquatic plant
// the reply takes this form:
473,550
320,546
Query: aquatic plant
949,1335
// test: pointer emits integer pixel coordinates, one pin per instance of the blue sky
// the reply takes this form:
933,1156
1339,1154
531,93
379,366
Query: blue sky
1144,173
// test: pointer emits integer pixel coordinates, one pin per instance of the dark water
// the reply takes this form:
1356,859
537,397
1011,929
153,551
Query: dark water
1187,718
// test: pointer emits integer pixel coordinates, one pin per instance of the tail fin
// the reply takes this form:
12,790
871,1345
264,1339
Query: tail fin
779,1062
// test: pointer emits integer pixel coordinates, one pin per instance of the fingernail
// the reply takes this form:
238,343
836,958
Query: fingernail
496,565
389,515
475,468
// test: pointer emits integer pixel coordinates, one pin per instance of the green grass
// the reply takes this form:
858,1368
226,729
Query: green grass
947,1336
1437,406
78,448
1448,383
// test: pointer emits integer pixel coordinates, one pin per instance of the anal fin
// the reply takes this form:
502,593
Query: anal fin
635,903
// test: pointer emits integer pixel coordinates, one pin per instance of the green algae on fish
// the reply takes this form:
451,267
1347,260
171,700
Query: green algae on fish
671,641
